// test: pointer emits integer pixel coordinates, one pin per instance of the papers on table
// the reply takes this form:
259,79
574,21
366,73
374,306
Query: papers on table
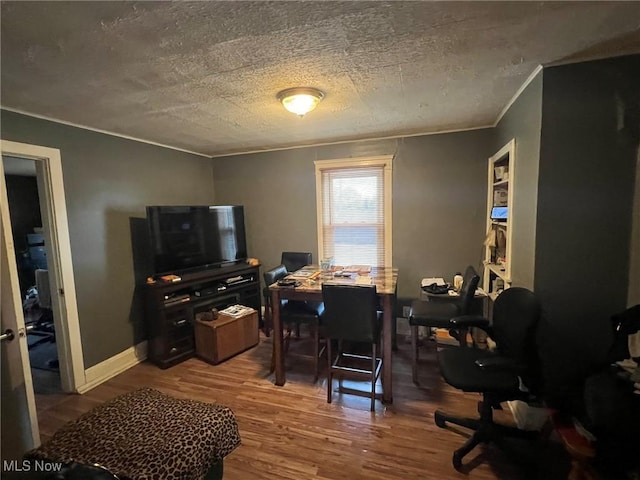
361,269
351,279
431,280
308,274
363,280
302,273
478,293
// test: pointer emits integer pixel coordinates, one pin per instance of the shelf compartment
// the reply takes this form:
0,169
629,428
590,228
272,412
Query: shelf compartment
499,270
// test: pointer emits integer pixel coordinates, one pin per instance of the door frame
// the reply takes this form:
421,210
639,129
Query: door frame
63,291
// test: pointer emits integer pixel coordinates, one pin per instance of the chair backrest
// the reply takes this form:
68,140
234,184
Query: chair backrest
469,285
516,314
350,312
275,274
296,260
623,324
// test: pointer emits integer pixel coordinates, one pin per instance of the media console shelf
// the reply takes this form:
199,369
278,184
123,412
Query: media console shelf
171,307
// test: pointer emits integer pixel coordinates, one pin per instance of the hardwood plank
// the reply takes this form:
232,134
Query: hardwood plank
290,432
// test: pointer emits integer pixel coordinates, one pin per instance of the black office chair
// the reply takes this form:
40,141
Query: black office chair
511,372
606,405
438,312
351,315
293,313
295,260
76,471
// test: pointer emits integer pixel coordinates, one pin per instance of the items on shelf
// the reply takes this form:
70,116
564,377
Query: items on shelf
170,278
497,243
175,299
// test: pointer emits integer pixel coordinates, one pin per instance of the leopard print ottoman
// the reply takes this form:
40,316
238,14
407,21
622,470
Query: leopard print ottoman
147,435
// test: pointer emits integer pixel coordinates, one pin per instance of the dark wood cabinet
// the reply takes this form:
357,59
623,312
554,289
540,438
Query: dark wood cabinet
171,307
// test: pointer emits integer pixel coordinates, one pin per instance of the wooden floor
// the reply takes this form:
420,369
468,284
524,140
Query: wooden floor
291,432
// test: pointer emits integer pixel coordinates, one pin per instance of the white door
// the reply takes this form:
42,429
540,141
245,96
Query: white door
19,420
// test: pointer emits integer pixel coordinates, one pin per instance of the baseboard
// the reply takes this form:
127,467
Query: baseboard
111,367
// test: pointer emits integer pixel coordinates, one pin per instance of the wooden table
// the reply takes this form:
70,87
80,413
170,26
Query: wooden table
385,280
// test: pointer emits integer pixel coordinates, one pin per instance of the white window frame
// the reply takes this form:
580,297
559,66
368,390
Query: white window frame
384,161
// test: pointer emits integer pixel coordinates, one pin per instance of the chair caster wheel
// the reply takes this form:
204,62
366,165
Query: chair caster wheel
456,460
439,419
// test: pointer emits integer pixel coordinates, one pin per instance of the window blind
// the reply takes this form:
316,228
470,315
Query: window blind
353,215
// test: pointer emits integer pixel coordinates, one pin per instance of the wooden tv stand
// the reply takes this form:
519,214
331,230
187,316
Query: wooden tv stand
170,307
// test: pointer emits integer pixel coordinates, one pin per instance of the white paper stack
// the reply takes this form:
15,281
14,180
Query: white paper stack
237,311
431,280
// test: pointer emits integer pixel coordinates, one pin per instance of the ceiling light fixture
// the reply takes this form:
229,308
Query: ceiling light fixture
300,100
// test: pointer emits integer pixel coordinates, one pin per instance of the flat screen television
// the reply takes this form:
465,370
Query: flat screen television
194,237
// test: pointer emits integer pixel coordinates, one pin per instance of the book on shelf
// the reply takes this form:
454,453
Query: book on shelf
170,278
176,300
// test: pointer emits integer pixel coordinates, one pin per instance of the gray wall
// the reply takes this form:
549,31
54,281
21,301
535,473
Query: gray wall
585,204
108,181
439,200
523,122
633,297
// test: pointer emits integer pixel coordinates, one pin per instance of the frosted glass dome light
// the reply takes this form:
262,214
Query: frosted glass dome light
300,100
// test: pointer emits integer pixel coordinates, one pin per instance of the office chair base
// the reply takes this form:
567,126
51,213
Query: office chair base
485,431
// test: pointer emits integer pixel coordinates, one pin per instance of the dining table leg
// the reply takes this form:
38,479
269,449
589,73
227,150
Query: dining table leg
387,343
277,338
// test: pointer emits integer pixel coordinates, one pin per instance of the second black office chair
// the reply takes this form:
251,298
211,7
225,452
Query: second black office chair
351,315
511,372
293,313
438,313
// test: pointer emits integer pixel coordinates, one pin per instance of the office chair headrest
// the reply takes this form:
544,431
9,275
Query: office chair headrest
627,322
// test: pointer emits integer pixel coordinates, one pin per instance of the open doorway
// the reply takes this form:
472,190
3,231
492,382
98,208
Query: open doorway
31,251
57,245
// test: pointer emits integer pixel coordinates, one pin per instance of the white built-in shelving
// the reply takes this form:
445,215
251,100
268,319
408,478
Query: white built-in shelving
498,246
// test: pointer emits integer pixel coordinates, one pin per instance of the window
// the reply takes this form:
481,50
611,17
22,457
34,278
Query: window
354,210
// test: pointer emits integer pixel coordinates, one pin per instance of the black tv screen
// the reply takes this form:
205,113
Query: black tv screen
189,237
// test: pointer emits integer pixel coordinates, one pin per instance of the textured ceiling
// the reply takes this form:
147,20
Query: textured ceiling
203,76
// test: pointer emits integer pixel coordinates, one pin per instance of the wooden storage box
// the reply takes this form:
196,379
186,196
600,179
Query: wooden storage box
225,337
